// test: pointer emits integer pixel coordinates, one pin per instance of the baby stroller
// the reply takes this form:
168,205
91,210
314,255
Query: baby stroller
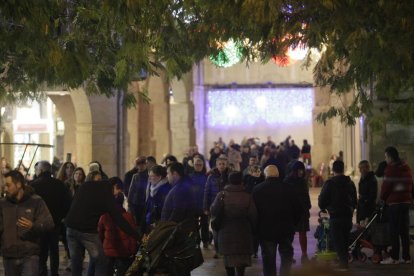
324,243
368,241
168,249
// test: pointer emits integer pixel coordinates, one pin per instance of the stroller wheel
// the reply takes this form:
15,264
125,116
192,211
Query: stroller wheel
376,258
350,257
362,257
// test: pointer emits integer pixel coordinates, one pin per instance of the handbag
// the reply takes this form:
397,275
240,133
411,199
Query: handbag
217,219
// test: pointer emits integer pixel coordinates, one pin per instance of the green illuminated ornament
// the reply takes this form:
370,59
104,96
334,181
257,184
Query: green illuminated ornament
230,53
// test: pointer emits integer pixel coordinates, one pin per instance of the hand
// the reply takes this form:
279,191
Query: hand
25,223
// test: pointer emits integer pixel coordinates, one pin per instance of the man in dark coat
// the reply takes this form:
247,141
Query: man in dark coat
130,173
57,198
23,217
367,190
179,204
137,190
279,211
92,199
338,196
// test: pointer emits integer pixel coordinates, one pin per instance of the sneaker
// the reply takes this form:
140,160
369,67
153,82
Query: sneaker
388,261
402,261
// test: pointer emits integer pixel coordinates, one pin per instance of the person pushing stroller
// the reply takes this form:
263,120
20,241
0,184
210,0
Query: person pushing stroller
338,196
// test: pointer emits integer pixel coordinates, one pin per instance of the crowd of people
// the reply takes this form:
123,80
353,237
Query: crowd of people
253,194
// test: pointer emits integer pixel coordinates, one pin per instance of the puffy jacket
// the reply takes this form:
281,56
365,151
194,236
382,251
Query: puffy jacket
239,217
397,186
215,184
155,203
117,243
17,242
199,180
338,196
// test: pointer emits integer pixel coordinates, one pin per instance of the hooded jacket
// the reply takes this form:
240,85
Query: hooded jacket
338,196
17,242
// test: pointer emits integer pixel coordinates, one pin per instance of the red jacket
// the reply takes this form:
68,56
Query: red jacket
115,242
398,183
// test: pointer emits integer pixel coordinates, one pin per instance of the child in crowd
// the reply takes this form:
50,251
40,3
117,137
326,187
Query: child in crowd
119,248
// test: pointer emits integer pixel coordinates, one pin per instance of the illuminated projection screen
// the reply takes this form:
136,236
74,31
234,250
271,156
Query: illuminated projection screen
260,112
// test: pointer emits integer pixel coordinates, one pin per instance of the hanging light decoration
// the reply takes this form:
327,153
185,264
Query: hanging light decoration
230,53
297,53
281,61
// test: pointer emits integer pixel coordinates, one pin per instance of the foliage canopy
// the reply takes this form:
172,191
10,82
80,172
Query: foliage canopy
102,45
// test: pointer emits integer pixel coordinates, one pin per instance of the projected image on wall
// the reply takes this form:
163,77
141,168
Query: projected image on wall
251,112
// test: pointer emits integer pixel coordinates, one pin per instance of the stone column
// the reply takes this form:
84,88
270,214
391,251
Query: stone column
83,126
199,100
104,133
322,134
182,115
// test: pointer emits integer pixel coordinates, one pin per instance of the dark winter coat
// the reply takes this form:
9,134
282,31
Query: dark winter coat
117,243
338,196
279,210
155,204
179,204
17,242
215,184
301,190
398,183
199,180
128,179
137,189
235,236
93,199
251,181
55,193
367,189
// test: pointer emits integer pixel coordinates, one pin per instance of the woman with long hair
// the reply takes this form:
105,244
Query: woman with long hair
65,171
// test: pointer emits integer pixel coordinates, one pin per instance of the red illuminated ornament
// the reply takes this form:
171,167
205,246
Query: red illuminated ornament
281,61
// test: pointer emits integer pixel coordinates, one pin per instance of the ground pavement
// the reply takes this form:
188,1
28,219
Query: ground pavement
215,267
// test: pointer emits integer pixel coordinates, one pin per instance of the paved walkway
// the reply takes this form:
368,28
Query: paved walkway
215,267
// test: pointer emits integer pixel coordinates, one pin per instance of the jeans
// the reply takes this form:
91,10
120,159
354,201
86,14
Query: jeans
204,227
284,245
399,222
27,266
49,247
78,242
339,229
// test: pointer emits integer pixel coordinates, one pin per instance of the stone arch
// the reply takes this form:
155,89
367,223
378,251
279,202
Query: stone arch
75,110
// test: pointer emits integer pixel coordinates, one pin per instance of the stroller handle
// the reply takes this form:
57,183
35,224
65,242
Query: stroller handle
324,211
